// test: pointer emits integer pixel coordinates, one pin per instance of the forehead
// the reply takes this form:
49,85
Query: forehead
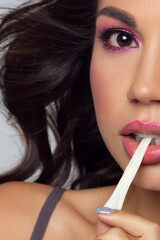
135,7
144,14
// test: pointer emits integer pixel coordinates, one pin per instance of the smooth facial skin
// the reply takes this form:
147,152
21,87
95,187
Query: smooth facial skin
125,79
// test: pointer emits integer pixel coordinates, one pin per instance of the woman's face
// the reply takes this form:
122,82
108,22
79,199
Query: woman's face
125,82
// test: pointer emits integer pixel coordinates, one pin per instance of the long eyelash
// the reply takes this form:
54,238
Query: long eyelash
105,32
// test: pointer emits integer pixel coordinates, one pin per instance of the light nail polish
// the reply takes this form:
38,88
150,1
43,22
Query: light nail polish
104,210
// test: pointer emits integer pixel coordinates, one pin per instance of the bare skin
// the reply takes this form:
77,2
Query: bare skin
126,90
73,218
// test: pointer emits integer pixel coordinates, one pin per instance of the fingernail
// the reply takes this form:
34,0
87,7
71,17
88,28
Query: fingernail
104,210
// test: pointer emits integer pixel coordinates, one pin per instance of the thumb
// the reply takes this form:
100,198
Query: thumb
102,227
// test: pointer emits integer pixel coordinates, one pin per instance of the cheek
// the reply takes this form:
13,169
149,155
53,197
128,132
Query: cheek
110,82
105,91
99,86
108,101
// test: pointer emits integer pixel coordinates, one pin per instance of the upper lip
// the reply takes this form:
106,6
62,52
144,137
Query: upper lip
137,126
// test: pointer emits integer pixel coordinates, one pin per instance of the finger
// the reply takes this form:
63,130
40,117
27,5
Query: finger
132,224
101,228
113,233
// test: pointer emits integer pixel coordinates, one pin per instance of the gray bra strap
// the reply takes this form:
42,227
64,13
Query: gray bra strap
46,213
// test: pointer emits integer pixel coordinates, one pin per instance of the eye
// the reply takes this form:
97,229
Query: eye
117,39
121,40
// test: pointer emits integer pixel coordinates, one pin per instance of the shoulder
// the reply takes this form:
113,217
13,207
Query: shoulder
20,204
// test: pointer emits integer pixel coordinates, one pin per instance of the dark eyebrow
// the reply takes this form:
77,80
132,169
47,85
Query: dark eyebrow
118,14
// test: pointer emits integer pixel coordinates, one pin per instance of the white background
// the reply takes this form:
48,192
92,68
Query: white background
9,4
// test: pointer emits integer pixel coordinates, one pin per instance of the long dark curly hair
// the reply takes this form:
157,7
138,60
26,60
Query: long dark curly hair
47,48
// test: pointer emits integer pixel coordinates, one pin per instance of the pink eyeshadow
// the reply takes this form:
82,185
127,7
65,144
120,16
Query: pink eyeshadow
112,23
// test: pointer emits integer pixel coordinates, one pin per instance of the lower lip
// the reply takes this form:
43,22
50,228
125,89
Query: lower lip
152,155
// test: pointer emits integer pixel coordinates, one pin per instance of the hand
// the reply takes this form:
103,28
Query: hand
120,225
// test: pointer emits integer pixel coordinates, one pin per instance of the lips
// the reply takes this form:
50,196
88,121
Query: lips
152,155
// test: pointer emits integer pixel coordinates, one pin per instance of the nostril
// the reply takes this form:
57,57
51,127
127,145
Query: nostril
143,95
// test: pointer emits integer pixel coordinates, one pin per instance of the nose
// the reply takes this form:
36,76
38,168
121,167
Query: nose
145,87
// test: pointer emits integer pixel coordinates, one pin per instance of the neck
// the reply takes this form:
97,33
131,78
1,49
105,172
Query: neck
144,203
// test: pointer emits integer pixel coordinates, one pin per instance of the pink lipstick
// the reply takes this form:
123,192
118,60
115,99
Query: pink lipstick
152,155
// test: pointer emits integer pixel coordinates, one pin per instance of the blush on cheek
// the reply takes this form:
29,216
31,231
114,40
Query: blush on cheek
100,91
96,88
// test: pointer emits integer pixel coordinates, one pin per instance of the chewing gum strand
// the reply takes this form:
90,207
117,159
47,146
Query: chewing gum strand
118,196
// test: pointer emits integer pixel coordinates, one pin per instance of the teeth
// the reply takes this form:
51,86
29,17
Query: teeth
157,141
138,139
143,135
155,138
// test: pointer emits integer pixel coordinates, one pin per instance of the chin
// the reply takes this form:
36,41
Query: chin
148,177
